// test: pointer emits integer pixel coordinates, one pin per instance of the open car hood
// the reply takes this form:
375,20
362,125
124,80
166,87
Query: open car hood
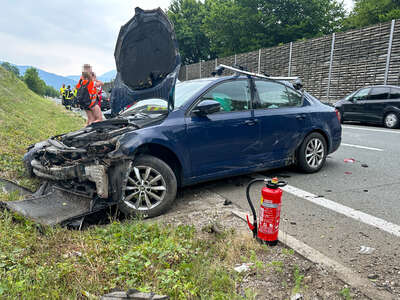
147,60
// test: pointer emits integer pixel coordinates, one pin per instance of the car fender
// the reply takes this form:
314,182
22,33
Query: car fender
132,141
390,108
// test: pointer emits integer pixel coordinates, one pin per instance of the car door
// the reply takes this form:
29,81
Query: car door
354,109
375,104
225,141
282,120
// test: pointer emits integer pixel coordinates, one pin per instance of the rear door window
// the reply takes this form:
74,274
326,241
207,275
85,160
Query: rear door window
394,93
276,95
379,93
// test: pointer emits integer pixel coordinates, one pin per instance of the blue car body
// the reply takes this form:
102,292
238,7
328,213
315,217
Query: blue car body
229,144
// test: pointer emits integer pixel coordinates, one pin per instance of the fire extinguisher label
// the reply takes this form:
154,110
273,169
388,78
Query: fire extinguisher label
269,218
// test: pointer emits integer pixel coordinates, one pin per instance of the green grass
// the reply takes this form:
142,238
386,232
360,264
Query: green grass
56,263
26,118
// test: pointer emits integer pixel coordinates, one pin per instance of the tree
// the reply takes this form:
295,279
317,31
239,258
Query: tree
369,12
33,81
187,17
235,26
11,68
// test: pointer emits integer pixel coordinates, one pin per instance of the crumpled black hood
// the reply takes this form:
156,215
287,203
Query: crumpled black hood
147,60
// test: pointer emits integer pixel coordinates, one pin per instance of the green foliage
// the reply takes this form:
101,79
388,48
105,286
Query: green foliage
187,17
224,27
298,280
369,12
26,118
345,293
33,81
11,68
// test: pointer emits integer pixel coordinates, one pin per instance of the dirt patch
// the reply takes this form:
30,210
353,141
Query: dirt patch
274,272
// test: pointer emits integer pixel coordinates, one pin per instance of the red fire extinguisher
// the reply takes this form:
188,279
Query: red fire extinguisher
268,226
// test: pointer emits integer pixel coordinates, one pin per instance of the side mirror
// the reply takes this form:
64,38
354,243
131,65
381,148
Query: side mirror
351,99
207,107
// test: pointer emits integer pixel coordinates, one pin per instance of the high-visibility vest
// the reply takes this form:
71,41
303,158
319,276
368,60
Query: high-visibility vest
68,94
62,91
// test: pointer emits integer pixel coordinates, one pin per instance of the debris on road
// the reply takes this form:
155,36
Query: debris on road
243,267
348,173
297,297
227,202
366,250
373,276
349,160
364,165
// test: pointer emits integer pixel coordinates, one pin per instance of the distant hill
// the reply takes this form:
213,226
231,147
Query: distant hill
73,77
109,76
54,80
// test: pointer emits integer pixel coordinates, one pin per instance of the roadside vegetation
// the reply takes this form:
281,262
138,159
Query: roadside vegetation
26,118
217,28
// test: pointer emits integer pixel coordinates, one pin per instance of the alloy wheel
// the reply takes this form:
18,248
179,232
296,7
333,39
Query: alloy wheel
391,120
145,188
314,152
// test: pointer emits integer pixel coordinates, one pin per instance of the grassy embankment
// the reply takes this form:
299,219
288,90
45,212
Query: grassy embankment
57,263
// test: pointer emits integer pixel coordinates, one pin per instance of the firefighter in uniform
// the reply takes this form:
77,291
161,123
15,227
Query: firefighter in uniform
62,94
68,97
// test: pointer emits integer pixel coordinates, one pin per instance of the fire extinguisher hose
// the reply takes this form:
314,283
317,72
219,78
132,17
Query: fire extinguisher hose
250,203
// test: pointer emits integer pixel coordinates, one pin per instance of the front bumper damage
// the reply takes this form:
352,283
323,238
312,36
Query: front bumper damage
80,160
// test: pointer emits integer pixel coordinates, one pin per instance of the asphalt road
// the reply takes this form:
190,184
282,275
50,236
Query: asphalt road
344,206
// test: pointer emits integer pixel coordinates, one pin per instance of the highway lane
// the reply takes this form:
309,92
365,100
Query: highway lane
370,185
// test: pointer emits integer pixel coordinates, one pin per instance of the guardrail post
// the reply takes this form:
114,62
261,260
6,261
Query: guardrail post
259,61
290,60
216,62
186,72
330,65
235,59
389,52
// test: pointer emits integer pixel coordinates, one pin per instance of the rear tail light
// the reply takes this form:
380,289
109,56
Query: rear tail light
338,114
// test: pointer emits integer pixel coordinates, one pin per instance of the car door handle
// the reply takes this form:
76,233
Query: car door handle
301,117
251,122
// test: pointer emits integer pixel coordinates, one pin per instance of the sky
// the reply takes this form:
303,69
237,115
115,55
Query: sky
60,36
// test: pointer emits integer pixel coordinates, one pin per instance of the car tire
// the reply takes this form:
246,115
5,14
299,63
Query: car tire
149,189
391,120
312,153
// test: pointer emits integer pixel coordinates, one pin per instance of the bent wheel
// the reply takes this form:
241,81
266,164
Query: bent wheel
150,187
312,153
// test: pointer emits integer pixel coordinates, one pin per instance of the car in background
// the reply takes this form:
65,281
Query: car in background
378,104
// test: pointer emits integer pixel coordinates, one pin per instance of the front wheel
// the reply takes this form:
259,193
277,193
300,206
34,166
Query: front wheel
312,153
150,187
391,120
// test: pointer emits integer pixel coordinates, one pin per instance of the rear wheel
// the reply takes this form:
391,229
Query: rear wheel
150,187
312,153
391,120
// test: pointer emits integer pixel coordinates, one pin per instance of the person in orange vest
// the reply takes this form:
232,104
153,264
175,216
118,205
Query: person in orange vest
87,96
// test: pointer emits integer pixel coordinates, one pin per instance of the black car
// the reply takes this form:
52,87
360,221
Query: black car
105,101
378,104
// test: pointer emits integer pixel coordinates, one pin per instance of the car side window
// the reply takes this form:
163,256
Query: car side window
362,94
276,95
379,93
232,95
394,93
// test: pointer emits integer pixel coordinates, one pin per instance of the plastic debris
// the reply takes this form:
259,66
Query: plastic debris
243,267
348,173
366,250
364,165
227,202
349,160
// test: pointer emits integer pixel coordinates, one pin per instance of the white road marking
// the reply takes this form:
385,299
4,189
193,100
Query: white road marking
361,147
371,129
345,210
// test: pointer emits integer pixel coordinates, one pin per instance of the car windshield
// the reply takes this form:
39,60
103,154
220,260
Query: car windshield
349,96
183,92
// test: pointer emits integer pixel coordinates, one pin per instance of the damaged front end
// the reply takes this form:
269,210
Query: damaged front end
79,160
